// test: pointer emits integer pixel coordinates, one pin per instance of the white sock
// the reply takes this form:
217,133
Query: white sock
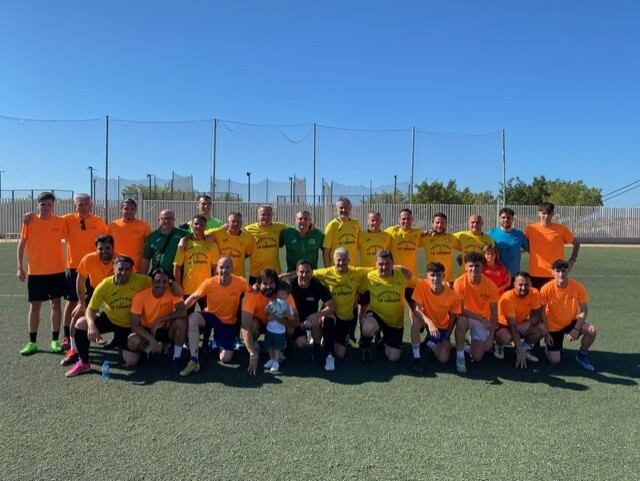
147,349
177,351
416,350
460,355
73,343
467,348
431,345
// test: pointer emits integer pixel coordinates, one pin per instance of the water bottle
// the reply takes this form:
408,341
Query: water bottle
105,371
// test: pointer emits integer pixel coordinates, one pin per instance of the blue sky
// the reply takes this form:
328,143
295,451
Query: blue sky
560,77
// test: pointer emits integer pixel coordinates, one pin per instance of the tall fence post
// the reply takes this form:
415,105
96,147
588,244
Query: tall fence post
106,171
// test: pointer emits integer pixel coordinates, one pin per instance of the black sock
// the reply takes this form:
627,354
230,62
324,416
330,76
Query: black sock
82,343
328,334
55,335
365,342
67,331
33,336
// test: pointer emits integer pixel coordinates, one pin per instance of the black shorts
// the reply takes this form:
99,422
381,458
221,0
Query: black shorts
391,336
364,299
408,296
343,329
162,334
120,334
558,336
538,282
46,287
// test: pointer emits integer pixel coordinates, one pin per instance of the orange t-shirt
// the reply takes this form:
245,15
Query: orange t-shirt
511,305
546,244
562,306
437,306
129,238
223,301
150,307
255,303
477,298
92,267
82,241
44,244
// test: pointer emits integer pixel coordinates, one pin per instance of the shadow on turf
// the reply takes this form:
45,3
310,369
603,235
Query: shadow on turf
612,368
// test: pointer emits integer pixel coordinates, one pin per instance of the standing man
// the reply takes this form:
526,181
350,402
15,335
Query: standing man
234,242
566,307
266,243
437,308
204,207
546,244
316,309
161,245
115,296
373,240
520,320
303,241
130,233
509,241
473,240
341,232
386,288
479,297
42,237
439,246
223,293
157,316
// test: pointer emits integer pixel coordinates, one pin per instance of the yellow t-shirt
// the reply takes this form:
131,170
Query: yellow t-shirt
469,242
266,248
197,261
238,247
369,243
342,234
387,296
404,248
116,299
343,287
440,248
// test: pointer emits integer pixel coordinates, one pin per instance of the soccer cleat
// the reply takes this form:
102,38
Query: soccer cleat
353,343
583,360
55,346
78,368
330,363
417,365
498,351
29,348
531,357
190,368
461,366
66,343
69,357
268,364
274,367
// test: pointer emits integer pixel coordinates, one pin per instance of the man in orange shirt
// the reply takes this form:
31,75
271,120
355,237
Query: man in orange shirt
437,308
224,293
254,316
519,320
42,237
566,307
157,315
479,296
546,244
129,233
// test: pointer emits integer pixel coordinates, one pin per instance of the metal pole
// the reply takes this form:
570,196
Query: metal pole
118,195
504,169
173,179
266,196
395,188
291,188
413,163
106,171
1,172
248,186
149,178
91,193
214,142
315,156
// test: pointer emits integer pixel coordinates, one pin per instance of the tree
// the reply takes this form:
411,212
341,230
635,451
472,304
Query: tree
438,193
560,192
388,197
157,192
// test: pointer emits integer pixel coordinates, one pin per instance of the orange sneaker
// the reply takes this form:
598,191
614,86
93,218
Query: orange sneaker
69,357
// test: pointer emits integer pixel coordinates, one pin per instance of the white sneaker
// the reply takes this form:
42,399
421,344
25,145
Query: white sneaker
531,357
274,367
268,364
461,366
498,351
330,363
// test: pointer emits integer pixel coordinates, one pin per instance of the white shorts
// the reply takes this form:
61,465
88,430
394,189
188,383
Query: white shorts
478,330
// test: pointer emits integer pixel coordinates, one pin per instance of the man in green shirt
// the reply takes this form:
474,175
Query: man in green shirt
204,208
302,241
161,245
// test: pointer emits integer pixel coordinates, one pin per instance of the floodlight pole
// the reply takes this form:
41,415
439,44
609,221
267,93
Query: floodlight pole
91,192
248,186
413,163
395,187
315,154
106,171
214,142
504,169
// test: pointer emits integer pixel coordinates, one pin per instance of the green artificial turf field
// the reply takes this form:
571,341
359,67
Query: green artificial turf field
380,422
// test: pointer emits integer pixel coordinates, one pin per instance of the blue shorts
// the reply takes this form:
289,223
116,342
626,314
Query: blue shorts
223,334
443,335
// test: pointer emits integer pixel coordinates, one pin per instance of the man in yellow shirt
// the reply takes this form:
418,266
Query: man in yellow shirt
373,240
439,246
266,239
566,308
234,242
341,232
474,239
386,288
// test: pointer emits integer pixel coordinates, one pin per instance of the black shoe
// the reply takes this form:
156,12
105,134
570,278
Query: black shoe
177,364
417,365
367,355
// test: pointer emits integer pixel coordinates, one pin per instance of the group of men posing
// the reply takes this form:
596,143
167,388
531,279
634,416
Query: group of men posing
144,286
